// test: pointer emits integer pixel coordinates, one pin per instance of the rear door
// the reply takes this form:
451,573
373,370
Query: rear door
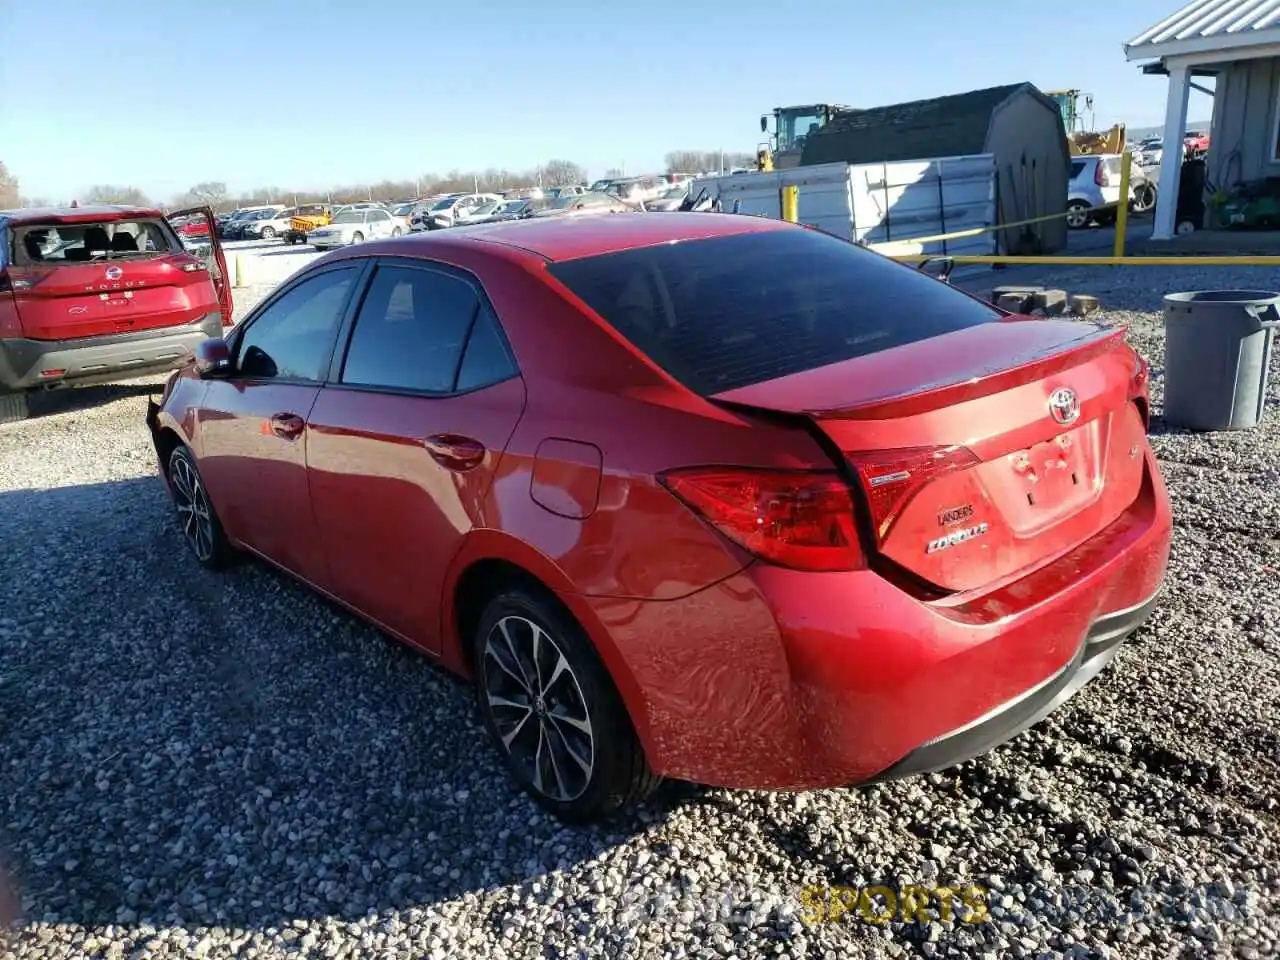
209,249
406,438
982,445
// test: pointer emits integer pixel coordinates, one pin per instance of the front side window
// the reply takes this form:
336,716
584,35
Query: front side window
411,331
293,337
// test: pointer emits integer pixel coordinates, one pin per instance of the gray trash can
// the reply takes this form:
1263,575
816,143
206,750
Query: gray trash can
1217,350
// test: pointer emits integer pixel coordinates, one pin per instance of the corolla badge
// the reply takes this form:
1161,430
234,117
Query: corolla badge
1064,405
959,536
114,273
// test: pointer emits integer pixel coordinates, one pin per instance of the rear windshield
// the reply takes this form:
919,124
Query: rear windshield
1077,168
82,242
729,312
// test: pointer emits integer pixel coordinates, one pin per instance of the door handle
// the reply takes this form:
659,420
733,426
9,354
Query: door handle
287,426
454,452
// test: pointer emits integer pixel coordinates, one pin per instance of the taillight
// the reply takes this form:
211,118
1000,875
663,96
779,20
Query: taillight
798,519
1141,373
1138,388
17,279
1100,175
892,477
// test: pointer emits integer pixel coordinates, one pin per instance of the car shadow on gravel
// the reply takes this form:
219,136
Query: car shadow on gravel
47,403
181,747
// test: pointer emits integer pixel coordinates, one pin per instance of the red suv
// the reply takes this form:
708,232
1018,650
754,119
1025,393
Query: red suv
710,497
92,294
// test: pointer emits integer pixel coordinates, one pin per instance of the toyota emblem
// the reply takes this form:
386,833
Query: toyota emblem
114,273
1064,405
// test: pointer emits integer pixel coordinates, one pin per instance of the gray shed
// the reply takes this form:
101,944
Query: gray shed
1016,123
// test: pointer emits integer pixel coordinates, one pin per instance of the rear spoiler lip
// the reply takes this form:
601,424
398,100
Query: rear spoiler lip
929,397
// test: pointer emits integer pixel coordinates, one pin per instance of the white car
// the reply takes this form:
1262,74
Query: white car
450,211
355,226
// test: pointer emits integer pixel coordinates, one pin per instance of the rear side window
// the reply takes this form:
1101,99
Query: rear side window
727,312
411,331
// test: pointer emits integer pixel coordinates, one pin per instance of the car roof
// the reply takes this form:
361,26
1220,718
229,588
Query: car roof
100,213
570,238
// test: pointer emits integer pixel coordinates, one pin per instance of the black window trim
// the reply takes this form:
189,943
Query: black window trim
362,268
333,380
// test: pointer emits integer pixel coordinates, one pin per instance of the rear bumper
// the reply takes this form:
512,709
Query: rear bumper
1005,722
778,679
26,364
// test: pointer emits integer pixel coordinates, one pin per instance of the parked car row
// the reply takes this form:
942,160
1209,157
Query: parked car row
325,227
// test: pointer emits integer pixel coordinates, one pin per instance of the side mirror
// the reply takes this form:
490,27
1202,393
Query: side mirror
213,358
764,124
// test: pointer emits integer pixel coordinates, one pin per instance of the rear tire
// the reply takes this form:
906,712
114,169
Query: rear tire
557,721
14,406
197,520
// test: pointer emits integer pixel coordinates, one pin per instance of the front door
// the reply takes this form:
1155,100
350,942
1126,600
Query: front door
253,425
403,447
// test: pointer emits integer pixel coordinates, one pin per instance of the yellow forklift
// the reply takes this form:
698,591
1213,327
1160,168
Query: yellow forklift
1085,142
791,128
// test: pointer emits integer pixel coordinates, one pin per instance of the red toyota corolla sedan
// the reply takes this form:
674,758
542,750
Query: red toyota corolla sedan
688,495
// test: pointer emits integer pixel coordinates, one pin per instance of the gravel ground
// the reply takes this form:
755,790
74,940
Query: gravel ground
205,766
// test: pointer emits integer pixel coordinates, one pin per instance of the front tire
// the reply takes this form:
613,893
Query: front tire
396,231
357,237
197,519
553,712
268,233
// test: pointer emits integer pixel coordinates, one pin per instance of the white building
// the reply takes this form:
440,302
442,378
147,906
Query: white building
1237,42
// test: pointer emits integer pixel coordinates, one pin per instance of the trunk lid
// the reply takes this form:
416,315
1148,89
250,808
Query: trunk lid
71,300
982,453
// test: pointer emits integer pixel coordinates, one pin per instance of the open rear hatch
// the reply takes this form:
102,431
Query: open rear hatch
981,453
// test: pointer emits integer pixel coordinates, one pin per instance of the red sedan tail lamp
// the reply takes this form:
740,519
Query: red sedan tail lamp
892,477
798,519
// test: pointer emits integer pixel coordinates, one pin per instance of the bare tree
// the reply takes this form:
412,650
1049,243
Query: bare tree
108,193
614,172
561,173
211,193
9,196
697,161
685,161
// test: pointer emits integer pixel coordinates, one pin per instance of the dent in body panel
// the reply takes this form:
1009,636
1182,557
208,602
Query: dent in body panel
714,680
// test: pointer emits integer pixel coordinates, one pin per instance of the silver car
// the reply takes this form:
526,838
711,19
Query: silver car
1093,193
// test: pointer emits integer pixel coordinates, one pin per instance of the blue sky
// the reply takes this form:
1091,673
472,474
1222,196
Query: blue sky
302,94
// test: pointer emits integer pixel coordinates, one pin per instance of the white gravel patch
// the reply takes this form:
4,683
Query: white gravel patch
205,766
